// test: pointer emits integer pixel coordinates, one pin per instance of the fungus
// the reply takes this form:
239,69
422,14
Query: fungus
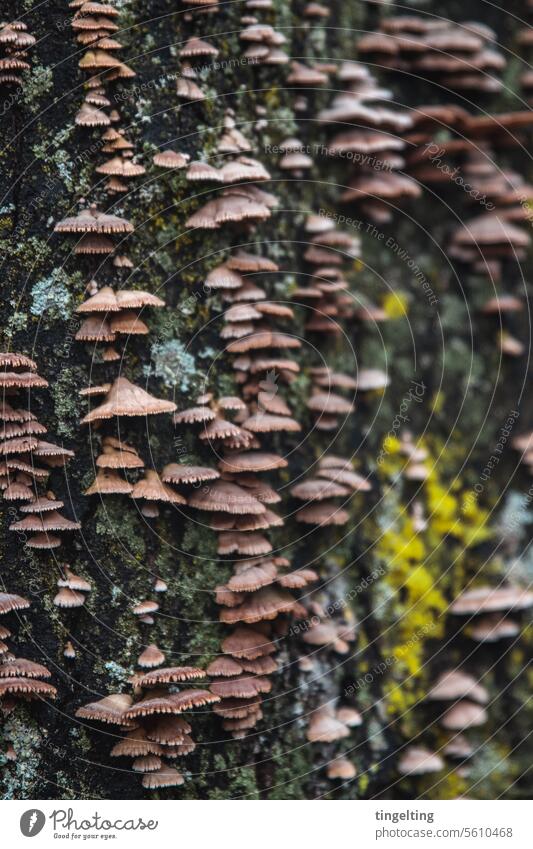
463,715
111,709
417,760
341,769
126,399
456,684
488,600
324,727
152,488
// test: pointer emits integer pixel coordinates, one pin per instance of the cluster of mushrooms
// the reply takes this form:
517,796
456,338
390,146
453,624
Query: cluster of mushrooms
257,597
371,147
328,307
14,43
95,27
21,679
468,158
21,479
155,732
451,150
27,459
488,615
460,57
260,594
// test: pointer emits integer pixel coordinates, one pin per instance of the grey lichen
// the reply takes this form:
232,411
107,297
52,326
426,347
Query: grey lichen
173,364
51,297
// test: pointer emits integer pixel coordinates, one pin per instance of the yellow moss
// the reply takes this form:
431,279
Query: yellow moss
395,305
437,402
417,561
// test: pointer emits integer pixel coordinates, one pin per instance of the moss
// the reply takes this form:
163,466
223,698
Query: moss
65,392
418,563
29,741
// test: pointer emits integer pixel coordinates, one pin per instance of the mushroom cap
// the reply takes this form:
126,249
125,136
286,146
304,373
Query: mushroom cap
251,544
251,461
171,159
298,579
165,776
117,166
152,488
321,634
303,75
197,47
91,220
224,667
322,513
147,763
136,744
151,656
243,687
41,505
14,360
123,458
192,415
350,716
167,730
493,627
74,582
170,675
182,473
43,541
111,709
455,684
490,229
458,747
324,727
246,262
329,403
261,666
109,482
126,399
252,577
19,667
262,422
23,380
247,643
265,604
238,708
145,607
462,715
316,489
45,522
416,760
127,323
223,277
67,597
226,497
346,477
489,599
342,769
173,704
28,687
